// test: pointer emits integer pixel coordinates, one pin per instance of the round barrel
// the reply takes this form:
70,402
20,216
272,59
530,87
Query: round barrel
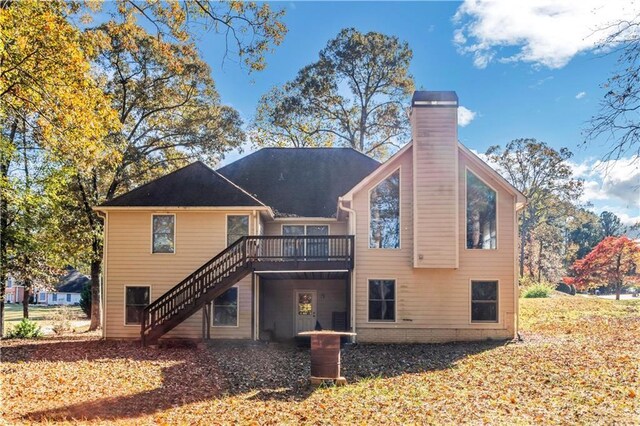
325,356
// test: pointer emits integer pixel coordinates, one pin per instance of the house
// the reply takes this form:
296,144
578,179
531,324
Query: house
67,291
14,292
420,248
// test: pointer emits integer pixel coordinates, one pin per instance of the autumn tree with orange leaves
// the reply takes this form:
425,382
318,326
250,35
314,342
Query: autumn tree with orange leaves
613,263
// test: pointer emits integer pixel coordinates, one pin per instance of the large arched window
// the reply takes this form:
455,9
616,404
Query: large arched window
384,205
481,214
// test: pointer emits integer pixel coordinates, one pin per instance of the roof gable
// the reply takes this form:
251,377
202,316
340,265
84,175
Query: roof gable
195,185
304,182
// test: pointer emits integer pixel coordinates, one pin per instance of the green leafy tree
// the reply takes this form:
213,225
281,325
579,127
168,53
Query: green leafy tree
541,173
611,225
169,112
46,90
354,95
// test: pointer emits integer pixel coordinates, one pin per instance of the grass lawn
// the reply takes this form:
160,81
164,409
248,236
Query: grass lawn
579,362
44,316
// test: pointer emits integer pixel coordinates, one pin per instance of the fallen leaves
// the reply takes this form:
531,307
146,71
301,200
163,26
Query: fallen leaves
588,376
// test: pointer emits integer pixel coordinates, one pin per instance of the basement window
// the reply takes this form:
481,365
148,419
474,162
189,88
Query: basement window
164,233
484,301
382,300
136,299
481,214
384,213
225,309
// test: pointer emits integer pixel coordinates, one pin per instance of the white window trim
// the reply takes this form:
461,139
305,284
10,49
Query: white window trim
467,170
486,324
175,234
213,310
226,225
395,301
399,170
124,302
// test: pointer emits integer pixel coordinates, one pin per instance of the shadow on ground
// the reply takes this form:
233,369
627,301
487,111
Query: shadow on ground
255,371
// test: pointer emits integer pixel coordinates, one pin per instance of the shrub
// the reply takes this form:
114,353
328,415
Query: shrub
85,300
61,319
25,329
538,290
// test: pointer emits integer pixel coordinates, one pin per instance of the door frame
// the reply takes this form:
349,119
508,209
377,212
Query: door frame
295,307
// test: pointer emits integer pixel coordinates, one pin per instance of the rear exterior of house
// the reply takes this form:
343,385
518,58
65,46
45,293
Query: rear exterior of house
420,248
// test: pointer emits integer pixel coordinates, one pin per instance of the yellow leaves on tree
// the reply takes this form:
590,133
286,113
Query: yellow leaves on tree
46,81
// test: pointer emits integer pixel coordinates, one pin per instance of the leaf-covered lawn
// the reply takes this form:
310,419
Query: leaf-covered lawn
45,316
579,363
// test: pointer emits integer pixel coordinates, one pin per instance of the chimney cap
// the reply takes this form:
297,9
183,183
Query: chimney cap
444,98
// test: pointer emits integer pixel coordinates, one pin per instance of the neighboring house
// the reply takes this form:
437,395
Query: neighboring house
14,292
67,291
421,248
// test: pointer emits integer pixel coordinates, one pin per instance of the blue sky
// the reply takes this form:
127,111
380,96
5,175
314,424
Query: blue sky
520,71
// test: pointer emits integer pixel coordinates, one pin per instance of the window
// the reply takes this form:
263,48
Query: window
68,298
237,227
481,214
163,233
293,247
137,298
484,301
309,247
225,309
54,297
42,296
382,300
384,204
9,282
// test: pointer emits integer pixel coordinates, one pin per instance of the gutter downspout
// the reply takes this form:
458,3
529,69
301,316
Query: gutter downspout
103,296
352,231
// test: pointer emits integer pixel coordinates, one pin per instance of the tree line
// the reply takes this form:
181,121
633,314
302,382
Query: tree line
90,110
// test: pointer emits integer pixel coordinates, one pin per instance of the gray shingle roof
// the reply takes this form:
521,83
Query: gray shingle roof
196,185
300,181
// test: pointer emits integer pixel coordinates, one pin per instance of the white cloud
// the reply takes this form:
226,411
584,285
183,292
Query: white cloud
540,82
581,95
465,116
542,32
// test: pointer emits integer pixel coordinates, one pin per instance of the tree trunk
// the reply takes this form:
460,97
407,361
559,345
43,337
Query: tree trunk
25,301
96,265
2,314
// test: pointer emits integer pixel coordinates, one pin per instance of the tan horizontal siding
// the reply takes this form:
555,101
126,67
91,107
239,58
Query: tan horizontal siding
435,304
435,199
129,261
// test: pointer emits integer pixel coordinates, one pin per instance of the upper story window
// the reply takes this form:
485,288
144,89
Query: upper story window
310,247
481,214
384,205
237,227
164,227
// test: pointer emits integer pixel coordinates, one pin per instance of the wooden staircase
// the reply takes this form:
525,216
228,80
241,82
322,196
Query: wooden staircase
251,253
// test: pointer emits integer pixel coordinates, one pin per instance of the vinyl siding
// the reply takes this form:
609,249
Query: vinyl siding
199,236
434,164
434,304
